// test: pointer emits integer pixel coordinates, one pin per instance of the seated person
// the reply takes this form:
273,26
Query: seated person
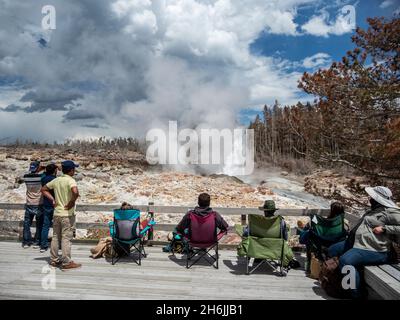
369,242
269,209
202,209
337,209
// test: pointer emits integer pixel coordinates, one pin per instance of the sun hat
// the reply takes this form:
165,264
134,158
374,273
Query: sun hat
381,195
269,205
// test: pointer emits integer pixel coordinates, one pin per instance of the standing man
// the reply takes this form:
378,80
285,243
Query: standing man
66,193
32,206
47,207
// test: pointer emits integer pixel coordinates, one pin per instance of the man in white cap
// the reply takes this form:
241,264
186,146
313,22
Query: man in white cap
370,241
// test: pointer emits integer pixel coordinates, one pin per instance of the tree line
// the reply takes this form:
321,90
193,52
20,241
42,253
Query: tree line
354,119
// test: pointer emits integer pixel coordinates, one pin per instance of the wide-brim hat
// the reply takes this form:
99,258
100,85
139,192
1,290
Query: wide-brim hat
269,205
382,195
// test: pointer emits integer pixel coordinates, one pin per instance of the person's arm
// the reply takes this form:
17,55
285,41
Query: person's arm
183,224
392,224
75,195
46,192
221,223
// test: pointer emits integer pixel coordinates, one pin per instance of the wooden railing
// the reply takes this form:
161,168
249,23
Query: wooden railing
154,209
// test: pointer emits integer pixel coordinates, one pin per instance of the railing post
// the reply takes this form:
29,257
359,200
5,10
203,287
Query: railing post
243,218
150,211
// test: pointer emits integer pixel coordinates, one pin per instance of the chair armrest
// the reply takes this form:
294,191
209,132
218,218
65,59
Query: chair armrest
149,225
221,234
111,227
239,229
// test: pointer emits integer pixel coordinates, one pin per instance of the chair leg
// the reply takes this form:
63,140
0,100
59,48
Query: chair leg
247,265
217,256
140,254
144,252
282,256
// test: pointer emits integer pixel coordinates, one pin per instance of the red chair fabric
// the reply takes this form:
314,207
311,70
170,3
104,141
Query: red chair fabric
203,230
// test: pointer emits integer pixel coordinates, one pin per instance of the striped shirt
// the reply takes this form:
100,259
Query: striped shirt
33,186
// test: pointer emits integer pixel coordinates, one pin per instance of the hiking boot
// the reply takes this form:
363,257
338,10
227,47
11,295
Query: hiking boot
71,265
55,264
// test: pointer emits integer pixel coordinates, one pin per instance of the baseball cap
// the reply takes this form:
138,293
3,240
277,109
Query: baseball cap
69,164
34,166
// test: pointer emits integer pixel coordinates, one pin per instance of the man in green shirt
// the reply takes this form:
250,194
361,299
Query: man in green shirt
65,195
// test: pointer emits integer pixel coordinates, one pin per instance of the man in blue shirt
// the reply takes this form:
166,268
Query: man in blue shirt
47,207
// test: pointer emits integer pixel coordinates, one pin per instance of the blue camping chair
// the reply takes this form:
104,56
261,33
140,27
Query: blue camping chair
127,235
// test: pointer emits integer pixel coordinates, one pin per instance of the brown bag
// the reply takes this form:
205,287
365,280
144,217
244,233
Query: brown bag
315,267
102,248
331,279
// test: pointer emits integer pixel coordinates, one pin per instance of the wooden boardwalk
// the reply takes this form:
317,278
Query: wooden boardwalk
159,277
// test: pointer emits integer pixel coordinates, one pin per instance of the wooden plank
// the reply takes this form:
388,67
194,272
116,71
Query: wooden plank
391,271
99,279
382,283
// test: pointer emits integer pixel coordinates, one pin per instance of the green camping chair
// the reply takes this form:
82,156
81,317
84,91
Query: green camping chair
323,233
264,241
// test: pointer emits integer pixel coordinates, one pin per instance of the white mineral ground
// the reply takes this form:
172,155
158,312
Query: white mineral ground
113,183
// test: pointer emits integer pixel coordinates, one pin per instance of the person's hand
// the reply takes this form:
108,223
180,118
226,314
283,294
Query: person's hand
69,205
54,203
378,230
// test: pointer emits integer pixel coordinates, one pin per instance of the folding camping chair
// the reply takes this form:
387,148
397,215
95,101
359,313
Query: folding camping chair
203,237
323,233
265,242
127,234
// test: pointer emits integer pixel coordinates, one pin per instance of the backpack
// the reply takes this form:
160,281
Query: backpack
177,244
330,279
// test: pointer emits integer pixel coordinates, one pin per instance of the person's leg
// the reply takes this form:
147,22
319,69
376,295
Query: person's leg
55,239
337,249
39,225
28,218
47,220
68,226
359,258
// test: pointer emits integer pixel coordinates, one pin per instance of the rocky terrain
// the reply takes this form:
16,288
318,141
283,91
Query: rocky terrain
111,177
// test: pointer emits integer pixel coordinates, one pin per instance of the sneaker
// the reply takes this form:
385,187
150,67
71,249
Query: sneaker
25,246
42,250
71,265
35,246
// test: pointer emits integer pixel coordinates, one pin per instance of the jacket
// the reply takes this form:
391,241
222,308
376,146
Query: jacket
185,222
365,238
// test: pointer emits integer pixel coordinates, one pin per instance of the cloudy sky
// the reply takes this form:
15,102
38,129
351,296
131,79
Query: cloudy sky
119,68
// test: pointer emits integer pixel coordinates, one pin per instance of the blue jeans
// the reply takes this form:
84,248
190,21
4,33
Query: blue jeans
48,212
30,213
358,258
